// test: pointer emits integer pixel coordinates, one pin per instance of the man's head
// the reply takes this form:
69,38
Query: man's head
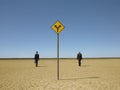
36,52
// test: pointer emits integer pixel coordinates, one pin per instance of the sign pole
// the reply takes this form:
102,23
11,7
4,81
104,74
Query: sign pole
57,27
58,56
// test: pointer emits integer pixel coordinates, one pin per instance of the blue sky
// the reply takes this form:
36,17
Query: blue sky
91,27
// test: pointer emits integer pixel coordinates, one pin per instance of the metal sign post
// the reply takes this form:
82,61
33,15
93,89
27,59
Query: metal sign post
57,27
58,56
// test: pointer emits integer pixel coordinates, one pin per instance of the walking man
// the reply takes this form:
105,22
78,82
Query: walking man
36,57
79,58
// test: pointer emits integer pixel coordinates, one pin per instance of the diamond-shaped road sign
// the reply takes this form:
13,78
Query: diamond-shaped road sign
57,27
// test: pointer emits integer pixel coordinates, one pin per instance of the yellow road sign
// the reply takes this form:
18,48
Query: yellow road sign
57,27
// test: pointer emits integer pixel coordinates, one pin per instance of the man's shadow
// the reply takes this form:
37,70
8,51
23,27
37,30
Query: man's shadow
41,66
85,65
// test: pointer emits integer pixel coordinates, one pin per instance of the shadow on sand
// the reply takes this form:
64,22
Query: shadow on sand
80,78
41,66
85,66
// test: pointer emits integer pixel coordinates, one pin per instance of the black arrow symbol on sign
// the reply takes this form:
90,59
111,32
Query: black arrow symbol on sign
57,27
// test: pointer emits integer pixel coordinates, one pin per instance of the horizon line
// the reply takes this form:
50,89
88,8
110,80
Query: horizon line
64,58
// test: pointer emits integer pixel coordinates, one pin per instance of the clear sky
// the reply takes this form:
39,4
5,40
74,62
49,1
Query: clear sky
91,27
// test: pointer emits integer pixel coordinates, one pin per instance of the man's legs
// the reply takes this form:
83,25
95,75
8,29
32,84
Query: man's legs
79,62
36,62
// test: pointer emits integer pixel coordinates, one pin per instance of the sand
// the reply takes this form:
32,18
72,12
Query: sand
94,74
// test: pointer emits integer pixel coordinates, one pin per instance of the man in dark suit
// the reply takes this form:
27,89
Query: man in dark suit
79,58
36,57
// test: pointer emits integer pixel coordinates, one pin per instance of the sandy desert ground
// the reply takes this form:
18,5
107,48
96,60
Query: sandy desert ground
95,74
